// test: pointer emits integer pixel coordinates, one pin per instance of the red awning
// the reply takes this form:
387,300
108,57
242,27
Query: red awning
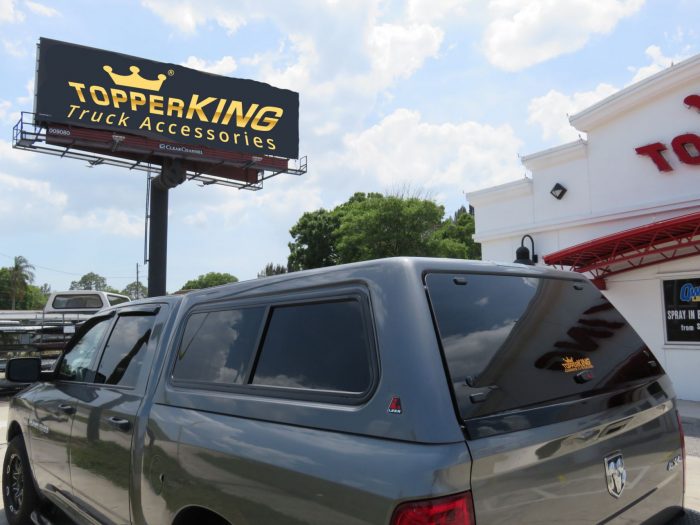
631,249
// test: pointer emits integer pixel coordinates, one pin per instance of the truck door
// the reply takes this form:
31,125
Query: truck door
54,407
105,422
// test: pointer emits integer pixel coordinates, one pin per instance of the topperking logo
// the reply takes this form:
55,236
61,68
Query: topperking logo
99,89
197,109
569,364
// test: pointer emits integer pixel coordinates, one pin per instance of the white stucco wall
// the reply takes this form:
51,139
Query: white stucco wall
611,189
639,296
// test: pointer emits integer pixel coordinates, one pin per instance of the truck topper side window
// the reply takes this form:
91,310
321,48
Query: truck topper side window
217,347
316,346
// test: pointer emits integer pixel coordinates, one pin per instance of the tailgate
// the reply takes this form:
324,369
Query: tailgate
620,465
568,415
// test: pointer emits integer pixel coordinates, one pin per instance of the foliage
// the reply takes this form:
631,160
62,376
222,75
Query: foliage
33,299
457,231
90,281
379,226
135,290
272,269
313,244
21,275
372,226
31,296
208,280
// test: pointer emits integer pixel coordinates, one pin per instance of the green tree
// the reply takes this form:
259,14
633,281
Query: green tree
272,269
90,281
135,290
385,226
21,275
313,244
46,289
372,226
208,280
33,299
454,238
5,301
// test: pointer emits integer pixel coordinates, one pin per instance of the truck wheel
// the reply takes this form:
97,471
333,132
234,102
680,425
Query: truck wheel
18,493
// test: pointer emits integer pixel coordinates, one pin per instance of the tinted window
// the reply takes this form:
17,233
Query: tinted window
75,365
70,301
316,346
125,351
524,341
217,347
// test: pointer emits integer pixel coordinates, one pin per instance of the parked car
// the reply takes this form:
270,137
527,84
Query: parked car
401,391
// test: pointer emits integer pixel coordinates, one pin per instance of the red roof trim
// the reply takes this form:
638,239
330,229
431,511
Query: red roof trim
646,245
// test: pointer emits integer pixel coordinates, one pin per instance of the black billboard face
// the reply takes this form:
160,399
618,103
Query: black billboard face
92,88
682,310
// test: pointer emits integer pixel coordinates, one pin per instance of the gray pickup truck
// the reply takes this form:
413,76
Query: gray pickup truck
402,391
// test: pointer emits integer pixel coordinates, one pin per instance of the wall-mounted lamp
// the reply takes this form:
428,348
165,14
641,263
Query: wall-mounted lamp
522,254
558,191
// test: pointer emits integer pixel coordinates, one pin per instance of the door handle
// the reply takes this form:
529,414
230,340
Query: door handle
67,409
120,424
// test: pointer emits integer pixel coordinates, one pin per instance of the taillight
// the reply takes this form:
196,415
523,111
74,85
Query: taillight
451,510
680,430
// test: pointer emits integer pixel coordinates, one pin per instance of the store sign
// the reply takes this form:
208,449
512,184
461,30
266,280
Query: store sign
685,146
682,310
92,88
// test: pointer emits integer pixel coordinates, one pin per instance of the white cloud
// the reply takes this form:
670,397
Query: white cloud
9,12
432,11
41,9
551,111
224,66
29,89
25,197
658,63
16,158
398,51
284,205
26,203
523,33
187,16
109,221
402,149
5,114
14,48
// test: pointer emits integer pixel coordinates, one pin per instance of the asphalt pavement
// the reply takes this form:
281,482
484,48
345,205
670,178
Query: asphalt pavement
691,427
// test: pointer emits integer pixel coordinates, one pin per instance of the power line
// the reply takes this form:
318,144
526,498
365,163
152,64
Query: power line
70,273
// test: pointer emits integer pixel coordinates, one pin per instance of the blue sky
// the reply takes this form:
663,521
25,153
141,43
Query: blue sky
440,96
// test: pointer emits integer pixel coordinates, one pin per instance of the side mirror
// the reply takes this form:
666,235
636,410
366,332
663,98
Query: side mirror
23,369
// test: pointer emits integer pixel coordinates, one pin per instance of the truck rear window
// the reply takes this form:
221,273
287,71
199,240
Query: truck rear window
511,342
71,301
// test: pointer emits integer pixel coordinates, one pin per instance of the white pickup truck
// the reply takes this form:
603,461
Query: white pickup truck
66,306
44,333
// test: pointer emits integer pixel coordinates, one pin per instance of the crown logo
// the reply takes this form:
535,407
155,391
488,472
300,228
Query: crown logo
135,80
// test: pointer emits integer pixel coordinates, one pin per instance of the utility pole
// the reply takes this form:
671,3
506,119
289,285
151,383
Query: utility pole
138,284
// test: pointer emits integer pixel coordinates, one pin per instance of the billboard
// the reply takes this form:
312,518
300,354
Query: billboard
91,88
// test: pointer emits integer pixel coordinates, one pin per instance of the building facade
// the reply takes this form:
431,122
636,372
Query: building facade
621,206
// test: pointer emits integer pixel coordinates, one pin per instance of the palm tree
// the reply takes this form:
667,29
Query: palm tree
21,274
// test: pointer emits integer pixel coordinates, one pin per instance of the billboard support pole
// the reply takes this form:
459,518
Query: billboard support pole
172,174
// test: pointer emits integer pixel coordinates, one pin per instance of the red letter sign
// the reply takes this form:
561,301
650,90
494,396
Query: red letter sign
654,152
680,146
